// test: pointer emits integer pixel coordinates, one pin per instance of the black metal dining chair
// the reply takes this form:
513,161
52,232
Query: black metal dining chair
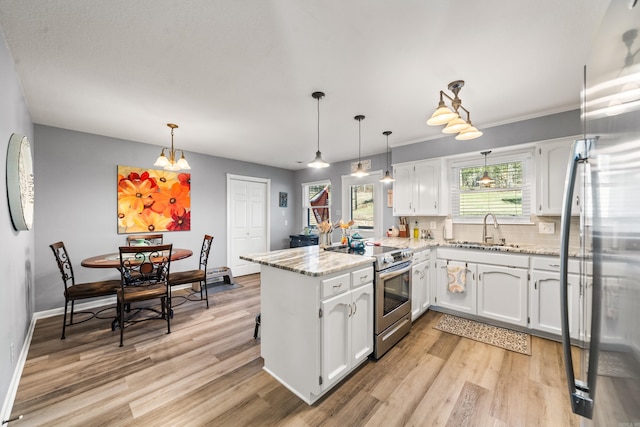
145,276
198,275
78,291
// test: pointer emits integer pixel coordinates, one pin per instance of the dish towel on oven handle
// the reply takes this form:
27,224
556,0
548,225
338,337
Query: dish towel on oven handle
457,278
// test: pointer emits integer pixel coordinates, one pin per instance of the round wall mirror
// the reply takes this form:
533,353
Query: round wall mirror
20,182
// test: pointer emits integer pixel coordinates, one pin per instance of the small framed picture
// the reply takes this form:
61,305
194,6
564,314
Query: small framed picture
283,200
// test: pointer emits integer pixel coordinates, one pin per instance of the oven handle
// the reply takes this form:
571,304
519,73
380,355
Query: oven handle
394,273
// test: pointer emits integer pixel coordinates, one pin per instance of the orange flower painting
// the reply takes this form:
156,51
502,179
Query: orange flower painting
153,200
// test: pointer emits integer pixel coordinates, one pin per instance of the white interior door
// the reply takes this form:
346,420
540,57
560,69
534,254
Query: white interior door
247,221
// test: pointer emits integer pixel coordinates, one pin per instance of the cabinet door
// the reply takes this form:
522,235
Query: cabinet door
420,289
545,302
465,301
416,291
426,187
426,286
336,339
552,159
361,323
502,293
403,189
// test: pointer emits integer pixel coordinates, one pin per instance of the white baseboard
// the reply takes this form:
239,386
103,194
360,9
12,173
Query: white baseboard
7,405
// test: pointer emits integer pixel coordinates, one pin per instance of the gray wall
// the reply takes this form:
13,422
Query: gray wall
539,129
16,251
76,184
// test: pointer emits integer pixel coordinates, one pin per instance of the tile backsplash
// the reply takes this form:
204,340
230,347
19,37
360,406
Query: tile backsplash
512,233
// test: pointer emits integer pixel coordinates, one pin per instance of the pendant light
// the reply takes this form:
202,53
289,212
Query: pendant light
318,162
486,180
171,164
387,176
451,116
360,170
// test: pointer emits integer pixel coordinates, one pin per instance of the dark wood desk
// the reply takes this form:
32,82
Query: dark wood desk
112,260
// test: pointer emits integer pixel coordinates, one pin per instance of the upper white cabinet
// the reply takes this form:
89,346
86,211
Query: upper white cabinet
416,189
552,159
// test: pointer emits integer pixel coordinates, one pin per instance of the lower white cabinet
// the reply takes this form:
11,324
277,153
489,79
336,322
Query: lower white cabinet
545,296
347,332
496,284
315,330
420,284
502,293
464,302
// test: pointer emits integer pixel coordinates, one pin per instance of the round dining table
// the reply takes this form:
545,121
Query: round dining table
112,260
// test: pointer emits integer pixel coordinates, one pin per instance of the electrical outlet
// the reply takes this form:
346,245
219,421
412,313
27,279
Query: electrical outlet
432,225
12,351
546,228
286,222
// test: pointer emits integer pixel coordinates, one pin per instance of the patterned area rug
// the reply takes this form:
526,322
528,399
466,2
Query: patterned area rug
519,342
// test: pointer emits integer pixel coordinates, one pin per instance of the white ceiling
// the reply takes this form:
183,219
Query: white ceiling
237,75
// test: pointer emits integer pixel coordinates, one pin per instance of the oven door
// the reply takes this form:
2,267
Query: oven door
393,295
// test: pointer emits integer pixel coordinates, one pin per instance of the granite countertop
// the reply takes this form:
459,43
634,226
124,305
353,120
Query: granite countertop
527,249
309,260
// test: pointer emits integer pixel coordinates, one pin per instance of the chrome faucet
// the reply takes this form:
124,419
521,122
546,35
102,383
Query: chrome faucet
486,238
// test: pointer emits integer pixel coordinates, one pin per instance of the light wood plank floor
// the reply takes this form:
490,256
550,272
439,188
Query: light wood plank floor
208,372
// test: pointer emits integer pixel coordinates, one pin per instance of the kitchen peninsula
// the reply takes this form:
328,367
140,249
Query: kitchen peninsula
316,316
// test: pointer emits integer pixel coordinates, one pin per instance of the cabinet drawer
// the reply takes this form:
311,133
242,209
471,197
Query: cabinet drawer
361,277
335,285
421,256
553,264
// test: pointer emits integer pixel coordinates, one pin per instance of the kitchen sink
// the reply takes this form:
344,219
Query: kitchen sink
484,246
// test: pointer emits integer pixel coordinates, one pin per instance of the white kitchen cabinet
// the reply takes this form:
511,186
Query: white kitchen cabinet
502,293
496,287
464,302
552,159
420,284
315,329
545,295
416,189
347,331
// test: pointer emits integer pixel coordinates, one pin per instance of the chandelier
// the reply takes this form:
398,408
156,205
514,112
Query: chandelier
454,123
170,163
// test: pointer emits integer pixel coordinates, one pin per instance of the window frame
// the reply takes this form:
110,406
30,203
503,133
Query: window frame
305,199
373,178
525,156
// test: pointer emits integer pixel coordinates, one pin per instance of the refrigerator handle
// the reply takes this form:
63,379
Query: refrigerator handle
581,402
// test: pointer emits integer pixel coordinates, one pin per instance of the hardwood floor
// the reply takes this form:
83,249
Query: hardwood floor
208,371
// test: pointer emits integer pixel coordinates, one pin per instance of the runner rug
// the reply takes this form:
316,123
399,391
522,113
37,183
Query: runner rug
519,342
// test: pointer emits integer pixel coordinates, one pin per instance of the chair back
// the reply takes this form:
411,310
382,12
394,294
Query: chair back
145,265
64,263
204,252
145,239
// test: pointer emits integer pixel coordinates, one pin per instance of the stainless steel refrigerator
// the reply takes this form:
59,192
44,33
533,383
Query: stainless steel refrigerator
603,366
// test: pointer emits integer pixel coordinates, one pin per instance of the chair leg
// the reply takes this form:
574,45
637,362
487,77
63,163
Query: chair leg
121,309
257,328
64,319
71,315
203,284
167,302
